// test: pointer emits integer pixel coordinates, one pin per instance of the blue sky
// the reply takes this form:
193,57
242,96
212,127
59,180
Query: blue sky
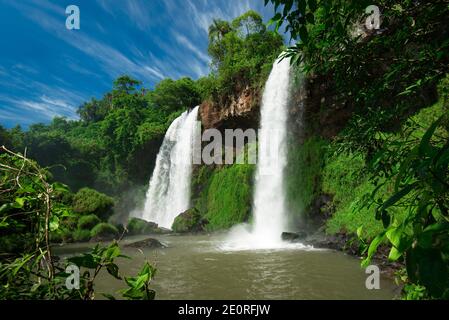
47,70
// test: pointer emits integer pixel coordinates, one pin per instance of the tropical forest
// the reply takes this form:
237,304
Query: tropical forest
305,157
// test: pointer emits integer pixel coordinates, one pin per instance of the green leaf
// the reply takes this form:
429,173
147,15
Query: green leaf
398,196
373,248
312,5
310,18
394,255
360,232
20,202
86,261
425,147
287,7
109,296
303,34
4,223
386,219
54,223
113,270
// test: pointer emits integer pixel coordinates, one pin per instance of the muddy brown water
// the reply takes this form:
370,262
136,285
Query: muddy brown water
195,267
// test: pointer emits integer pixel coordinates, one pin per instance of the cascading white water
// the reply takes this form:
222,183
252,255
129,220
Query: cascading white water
269,212
169,191
269,195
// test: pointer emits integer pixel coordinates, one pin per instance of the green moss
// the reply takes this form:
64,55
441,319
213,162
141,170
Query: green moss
104,230
303,174
188,221
139,226
88,201
225,195
344,179
81,235
88,222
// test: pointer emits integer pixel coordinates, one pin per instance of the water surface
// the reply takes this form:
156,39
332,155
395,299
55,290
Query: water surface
196,267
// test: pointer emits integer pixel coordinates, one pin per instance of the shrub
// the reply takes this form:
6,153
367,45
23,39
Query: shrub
104,231
88,222
63,234
89,201
81,235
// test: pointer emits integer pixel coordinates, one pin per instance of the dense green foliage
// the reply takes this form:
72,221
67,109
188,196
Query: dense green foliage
398,164
104,231
88,222
242,52
31,210
344,177
114,144
88,201
303,175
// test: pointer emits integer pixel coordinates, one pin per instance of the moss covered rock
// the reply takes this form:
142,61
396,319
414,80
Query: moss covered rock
149,243
88,201
88,222
138,226
104,231
189,221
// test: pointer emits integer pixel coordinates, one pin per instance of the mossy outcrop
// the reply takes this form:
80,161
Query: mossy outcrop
138,226
189,221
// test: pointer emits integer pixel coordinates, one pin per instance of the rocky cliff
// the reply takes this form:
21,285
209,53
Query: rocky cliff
242,110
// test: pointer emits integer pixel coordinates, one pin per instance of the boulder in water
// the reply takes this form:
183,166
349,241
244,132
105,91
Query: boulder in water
189,221
138,226
149,243
294,237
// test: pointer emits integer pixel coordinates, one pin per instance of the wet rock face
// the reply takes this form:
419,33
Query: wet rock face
189,221
138,226
316,109
294,237
242,111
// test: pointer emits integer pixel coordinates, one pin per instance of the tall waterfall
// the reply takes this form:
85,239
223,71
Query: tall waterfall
169,191
269,212
269,195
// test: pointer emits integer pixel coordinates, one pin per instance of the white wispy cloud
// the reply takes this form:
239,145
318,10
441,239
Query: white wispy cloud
139,13
148,39
44,107
190,46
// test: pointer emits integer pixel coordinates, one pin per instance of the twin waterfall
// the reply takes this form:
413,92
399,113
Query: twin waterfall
169,191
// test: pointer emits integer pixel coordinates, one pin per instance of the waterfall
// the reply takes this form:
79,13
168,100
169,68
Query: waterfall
269,212
169,191
269,194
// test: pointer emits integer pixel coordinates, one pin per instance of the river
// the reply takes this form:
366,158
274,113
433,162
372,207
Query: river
194,267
